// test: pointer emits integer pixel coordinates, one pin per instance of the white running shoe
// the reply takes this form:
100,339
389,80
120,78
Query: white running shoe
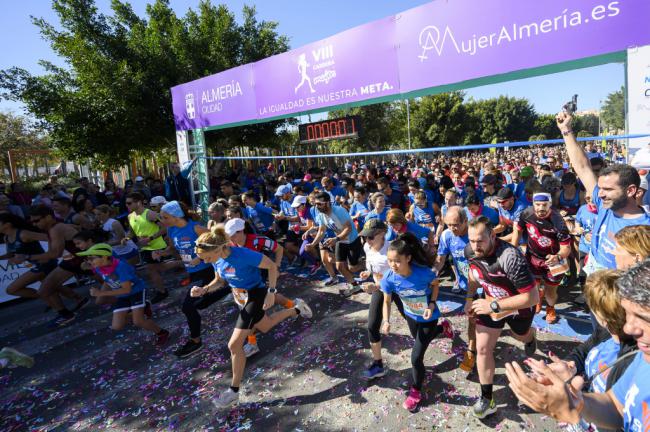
226,399
250,350
305,310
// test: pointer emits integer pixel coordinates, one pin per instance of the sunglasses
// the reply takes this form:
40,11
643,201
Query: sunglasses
206,247
36,220
321,204
129,203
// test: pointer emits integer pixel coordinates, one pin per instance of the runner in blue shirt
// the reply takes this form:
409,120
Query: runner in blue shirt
183,231
422,212
240,268
120,282
410,277
359,208
379,208
509,212
260,216
614,194
475,208
398,224
452,243
293,239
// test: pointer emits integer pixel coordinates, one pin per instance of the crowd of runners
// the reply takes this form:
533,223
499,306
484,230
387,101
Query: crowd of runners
513,228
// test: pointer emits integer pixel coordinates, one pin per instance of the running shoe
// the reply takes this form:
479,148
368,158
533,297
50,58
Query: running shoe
148,311
580,299
226,399
251,349
531,347
162,338
314,269
61,321
551,315
352,289
484,408
159,296
447,329
331,281
538,307
456,288
412,400
81,304
16,358
190,348
305,310
469,361
374,371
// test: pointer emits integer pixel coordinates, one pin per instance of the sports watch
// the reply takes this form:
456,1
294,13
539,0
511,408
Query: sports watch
495,306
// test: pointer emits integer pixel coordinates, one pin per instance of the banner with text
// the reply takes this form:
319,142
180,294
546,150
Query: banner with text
436,44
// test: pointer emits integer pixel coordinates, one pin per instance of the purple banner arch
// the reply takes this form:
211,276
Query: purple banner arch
439,43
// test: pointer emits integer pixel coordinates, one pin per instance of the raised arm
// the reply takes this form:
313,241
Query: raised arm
577,156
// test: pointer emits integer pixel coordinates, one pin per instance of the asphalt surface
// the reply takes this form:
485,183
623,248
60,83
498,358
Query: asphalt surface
306,377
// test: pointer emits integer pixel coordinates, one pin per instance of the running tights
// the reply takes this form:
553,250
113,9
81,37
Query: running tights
192,306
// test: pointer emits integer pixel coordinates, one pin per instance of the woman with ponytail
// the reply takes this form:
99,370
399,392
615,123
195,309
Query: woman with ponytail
22,241
241,269
183,232
411,278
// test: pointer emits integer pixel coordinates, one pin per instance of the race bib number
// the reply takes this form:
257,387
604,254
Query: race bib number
186,258
415,305
240,296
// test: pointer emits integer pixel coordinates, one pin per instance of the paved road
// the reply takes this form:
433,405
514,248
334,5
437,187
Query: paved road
306,377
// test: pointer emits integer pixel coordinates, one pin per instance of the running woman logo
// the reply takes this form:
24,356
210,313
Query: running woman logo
323,60
189,106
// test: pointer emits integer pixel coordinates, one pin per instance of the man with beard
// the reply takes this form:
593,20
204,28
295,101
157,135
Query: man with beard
613,192
548,247
508,296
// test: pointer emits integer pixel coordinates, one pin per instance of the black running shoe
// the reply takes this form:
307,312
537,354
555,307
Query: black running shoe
190,348
159,296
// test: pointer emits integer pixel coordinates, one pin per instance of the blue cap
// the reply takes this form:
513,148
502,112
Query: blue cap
173,208
284,189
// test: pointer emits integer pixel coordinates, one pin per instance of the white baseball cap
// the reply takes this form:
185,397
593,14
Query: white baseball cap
299,200
644,183
158,200
235,225
139,178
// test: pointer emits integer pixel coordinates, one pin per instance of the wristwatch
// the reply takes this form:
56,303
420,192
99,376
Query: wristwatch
273,290
495,306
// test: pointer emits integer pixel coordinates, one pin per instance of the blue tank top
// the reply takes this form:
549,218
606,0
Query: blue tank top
570,206
184,240
20,247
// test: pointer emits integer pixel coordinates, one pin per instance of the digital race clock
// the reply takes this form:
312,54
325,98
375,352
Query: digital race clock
341,128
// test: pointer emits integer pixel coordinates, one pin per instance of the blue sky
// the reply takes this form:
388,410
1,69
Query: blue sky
305,22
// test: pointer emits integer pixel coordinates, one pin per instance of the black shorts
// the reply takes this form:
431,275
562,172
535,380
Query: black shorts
44,267
146,257
253,311
517,323
202,277
349,252
133,301
292,237
74,266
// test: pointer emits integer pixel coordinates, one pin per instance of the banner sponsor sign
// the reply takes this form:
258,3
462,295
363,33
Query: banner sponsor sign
638,95
439,43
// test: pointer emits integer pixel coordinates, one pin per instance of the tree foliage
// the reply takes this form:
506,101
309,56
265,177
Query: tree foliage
613,110
113,97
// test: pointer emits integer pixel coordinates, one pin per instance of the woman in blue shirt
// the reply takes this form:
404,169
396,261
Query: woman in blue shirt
410,277
422,212
182,232
121,283
379,210
399,225
240,268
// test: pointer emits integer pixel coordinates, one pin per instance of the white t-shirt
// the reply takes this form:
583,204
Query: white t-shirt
376,262
118,249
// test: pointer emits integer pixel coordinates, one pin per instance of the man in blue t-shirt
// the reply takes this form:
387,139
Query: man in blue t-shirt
509,212
346,243
626,405
614,194
453,241
260,216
